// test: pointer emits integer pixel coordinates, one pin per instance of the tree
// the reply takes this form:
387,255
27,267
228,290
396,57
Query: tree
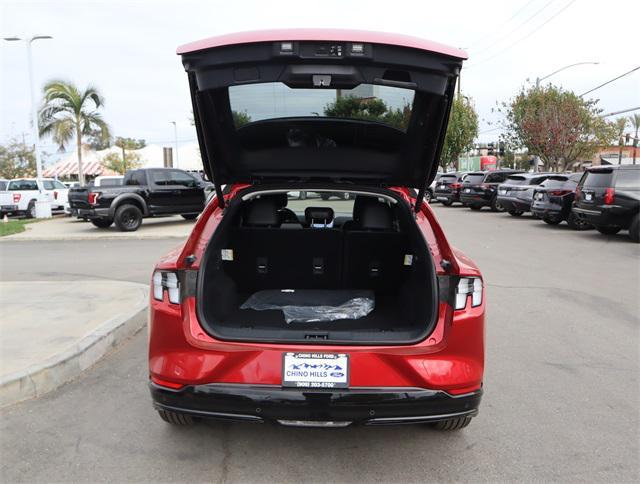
97,141
556,125
120,164
461,131
635,122
17,160
240,118
130,143
68,112
370,109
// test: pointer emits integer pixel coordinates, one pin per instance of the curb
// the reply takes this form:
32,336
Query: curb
18,237
44,377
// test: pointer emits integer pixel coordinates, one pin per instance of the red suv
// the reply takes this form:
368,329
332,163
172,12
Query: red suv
290,306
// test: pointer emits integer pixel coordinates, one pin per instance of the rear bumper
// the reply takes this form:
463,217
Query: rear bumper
447,196
510,204
605,216
93,213
475,198
368,406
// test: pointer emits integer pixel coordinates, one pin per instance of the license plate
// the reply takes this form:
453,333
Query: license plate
588,197
315,370
442,187
467,190
503,192
444,199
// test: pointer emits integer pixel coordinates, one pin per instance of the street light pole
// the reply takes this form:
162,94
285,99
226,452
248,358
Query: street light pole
538,79
175,136
34,117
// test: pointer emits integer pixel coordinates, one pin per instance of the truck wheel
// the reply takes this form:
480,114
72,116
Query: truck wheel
175,418
128,218
102,223
608,230
515,213
31,209
496,206
576,223
634,229
189,216
452,423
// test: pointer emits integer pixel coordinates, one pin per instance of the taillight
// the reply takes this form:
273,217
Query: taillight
559,193
93,197
609,195
55,195
166,281
16,197
455,186
468,286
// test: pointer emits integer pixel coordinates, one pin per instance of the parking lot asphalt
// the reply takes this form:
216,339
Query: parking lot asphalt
561,388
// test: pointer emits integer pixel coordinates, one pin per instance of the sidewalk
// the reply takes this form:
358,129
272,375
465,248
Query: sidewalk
67,228
52,331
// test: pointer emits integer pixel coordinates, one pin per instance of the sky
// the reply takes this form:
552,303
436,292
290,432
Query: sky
127,49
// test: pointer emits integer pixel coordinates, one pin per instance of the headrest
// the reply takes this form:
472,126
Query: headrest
375,215
319,216
262,212
280,199
358,206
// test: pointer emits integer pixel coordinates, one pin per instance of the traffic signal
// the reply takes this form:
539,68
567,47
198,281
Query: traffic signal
490,148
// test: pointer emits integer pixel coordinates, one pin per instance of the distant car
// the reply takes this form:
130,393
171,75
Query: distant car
447,190
608,197
480,189
553,198
428,194
26,192
144,193
516,193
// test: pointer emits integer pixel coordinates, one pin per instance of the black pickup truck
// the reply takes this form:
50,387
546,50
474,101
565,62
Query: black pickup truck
144,193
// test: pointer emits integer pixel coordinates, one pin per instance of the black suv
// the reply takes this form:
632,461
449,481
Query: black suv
516,194
480,188
447,187
552,200
608,197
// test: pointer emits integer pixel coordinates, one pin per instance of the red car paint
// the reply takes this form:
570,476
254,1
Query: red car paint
451,358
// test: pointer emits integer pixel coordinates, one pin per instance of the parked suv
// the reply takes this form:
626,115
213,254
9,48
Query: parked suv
147,192
355,311
447,189
480,189
608,197
516,193
553,199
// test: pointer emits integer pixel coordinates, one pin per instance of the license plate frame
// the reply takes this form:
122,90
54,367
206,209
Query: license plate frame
311,367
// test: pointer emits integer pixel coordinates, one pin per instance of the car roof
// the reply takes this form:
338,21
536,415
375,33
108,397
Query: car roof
331,35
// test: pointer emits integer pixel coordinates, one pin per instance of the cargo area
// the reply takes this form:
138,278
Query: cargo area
353,264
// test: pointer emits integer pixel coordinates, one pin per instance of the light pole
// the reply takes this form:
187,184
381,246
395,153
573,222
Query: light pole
44,205
538,79
175,136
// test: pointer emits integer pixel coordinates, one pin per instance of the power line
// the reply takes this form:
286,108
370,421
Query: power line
610,81
619,112
525,37
484,37
527,20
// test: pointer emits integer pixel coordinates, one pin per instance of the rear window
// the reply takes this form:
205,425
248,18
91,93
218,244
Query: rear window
448,178
515,180
474,178
628,179
554,182
271,100
111,182
598,179
22,185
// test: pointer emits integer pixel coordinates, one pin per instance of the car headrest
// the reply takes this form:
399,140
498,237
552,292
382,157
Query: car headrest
358,205
375,215
262,212
280,199
319,216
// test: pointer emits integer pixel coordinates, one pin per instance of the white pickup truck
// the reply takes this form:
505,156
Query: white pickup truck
21,195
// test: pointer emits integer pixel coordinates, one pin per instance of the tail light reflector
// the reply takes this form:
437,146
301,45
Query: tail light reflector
468,286
93,197
166,281
609,196
16,197
456,186
559,193
55,195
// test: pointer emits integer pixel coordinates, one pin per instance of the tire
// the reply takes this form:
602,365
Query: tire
176,418
31,209
515,213
575,223
634,229
102,223
475,207
189,216
608,230
452,424
551,221
447,203
128,218
495,205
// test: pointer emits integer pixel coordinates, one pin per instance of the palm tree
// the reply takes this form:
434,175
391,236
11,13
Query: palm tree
620,125
635,122
67,112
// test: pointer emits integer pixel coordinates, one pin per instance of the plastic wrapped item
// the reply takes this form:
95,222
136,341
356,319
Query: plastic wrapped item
313,305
